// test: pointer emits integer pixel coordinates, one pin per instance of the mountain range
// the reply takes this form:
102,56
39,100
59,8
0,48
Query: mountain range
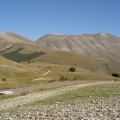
94,52
101,46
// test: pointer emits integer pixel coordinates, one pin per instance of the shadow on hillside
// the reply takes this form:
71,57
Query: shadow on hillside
18,57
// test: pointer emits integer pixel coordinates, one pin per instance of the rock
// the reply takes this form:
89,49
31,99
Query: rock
6,92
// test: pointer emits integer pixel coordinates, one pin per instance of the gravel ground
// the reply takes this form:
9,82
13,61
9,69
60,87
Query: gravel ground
21,108
94,109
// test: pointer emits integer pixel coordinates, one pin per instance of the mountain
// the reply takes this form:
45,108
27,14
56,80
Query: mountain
96,53
13,38
18,48
101,46
27,63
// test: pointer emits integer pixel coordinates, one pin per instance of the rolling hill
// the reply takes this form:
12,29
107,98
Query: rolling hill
18,48
8,63
80,61
29,61
10,68
96,53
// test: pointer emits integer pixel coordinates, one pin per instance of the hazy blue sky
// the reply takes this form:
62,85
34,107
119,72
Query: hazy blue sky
35,18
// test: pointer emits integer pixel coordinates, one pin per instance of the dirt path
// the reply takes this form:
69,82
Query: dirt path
45,86
46,73
33,97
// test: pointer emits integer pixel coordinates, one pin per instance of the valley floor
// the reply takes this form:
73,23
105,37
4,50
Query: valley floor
90,101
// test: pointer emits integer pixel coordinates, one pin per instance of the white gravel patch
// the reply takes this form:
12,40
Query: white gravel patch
92,109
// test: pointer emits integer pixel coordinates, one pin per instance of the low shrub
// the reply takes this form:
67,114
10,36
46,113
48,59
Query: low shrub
51,81
62,78
75,78
72,69
115,75
3,79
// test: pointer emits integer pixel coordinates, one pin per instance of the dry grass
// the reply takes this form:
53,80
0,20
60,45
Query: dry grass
37,69
81,61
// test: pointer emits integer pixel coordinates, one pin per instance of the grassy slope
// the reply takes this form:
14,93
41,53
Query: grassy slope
21,48
76,60
62,63
56,71
88,92
5,61
58,63
16,75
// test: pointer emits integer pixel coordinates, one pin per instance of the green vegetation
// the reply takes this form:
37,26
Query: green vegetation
62,78
3,79
18,57
72,69
115,75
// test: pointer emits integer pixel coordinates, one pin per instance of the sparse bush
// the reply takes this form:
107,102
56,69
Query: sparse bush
28,61
62,78
51,81
23,93
72,69
4,79
115,75
75,78
115,79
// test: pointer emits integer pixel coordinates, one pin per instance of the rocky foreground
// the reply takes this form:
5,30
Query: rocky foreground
101,108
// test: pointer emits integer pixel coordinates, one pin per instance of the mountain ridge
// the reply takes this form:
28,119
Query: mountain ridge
13,38
101,45
18,48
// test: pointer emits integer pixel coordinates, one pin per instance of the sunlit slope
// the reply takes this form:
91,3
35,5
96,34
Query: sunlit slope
101,46
13,75
4,61
13,38
18,48
77,60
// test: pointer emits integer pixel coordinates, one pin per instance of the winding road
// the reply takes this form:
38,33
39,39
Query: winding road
53,85
46,86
